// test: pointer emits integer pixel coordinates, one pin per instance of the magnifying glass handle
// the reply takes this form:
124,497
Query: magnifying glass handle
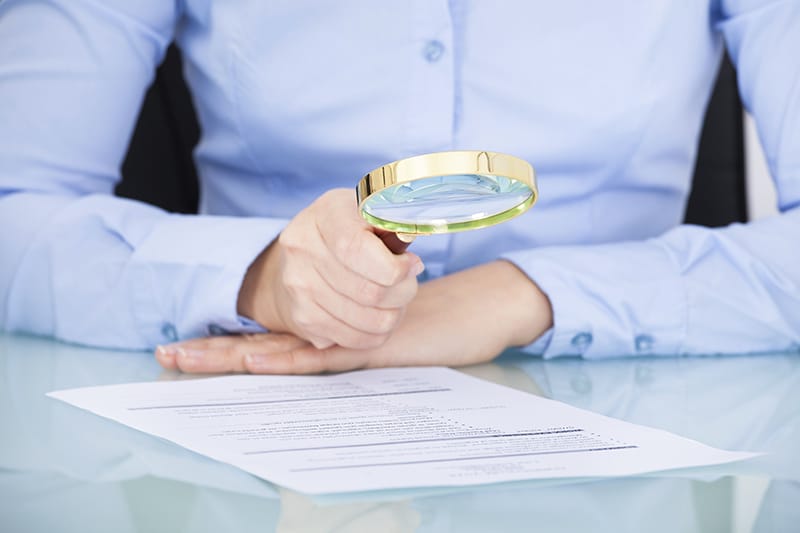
407,238
396,242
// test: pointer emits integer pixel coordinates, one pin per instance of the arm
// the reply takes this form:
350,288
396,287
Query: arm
86,267
78,263
690,291
698,290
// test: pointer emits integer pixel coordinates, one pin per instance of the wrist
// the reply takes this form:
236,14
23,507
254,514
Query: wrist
256,300
524,307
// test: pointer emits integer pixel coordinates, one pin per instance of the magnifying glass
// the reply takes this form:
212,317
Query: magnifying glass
445,192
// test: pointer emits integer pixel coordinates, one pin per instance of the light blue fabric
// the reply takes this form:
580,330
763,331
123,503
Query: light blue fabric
294,98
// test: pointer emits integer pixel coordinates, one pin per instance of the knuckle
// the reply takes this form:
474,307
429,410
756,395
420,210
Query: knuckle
365,341
326,197
376,341
288,238
407,297
303,363
293,281
397,273
386,320
340,197
370,293
293,360
320,344
349,246
302,318
233,359
187,365
407,291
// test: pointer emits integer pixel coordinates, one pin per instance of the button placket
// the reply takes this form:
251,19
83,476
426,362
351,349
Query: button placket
429,108
430,80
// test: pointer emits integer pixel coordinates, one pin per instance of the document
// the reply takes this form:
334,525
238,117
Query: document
389,428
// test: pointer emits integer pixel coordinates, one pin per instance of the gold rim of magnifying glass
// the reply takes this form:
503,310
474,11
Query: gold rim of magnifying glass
445,164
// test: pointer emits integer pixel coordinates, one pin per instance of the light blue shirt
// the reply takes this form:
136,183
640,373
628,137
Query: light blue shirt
604,99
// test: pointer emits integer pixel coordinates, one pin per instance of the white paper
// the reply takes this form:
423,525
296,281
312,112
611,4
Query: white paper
389,428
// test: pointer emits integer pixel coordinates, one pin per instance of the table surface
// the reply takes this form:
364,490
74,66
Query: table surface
63,469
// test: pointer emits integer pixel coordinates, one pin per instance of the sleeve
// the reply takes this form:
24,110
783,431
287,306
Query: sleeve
76,262
697,290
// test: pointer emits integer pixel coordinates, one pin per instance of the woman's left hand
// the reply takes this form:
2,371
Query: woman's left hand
464,318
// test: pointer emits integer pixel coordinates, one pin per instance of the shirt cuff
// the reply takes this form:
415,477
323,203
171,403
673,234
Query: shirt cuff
194,267
608,300
245,325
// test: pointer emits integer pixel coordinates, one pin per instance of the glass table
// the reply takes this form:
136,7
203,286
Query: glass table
63,469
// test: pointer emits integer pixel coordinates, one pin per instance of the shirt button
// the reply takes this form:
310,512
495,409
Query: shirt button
644,343
169,332
216,329
433,51
581,341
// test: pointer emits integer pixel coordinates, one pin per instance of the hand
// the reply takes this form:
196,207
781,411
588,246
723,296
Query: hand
330,278
465,318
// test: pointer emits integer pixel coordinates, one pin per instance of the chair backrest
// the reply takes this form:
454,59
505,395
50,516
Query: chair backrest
159,168
719,194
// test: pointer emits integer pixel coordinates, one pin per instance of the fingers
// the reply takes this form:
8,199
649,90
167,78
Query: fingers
337,282
223,354
368,293
308,360
365,254
355,244
268,353
326,330
319,313
330,279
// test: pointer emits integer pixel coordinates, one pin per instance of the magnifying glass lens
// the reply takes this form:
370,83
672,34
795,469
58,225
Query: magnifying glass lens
440,202
445,192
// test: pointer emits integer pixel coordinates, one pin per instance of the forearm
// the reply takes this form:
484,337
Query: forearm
501,298
111,272
692,291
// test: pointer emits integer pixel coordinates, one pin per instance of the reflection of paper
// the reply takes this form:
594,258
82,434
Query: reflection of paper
389,428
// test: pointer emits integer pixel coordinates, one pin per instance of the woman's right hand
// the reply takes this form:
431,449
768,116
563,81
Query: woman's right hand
329,278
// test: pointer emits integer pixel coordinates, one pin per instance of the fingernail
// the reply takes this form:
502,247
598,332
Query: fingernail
190,353
164,352
419,268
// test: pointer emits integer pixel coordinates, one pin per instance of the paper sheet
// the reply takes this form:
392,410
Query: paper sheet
389,428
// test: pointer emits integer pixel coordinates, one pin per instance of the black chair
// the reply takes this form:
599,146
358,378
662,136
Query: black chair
718,195
159,169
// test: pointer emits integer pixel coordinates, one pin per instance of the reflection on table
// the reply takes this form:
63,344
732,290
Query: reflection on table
63,469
